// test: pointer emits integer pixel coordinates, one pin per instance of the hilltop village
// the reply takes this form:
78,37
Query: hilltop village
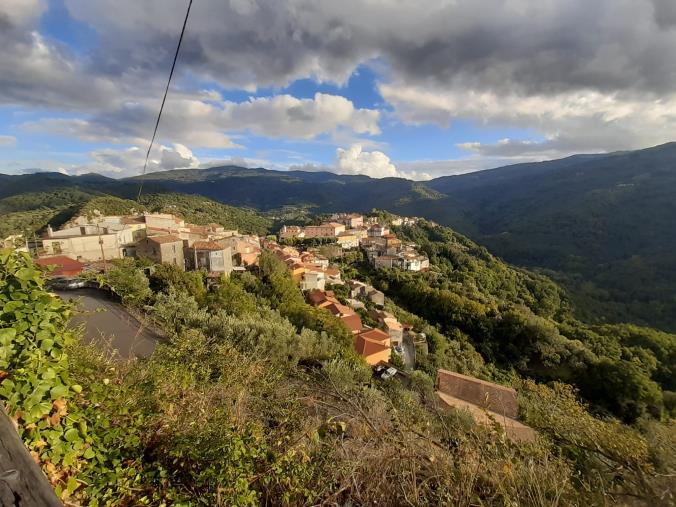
89,243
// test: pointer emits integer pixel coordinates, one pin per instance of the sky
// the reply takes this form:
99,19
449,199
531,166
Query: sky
404,88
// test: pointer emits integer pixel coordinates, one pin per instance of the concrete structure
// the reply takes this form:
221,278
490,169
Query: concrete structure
486,401
93,242
166,248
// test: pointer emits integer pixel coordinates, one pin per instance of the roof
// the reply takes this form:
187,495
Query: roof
375,334
132,220
316,297
392,323
338,309
58,260
334,224
353,322
207,245
166,238
332,271
367,347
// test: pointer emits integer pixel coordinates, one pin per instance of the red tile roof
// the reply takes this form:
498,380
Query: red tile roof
375,335
353,322
64,266
366,347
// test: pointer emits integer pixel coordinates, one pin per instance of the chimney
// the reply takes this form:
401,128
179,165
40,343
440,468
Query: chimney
50,232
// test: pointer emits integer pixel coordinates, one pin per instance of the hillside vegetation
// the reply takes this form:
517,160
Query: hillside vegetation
258,399
522,322
602,225
31,212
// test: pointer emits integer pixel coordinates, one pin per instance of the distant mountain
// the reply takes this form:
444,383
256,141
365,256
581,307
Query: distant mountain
264,189
605,225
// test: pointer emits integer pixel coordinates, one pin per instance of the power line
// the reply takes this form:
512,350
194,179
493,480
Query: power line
164,99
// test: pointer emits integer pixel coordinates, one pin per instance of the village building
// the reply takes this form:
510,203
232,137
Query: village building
245,249
373,345
162,249
291,231
326,230
210,256
377,230
350,220
387,261
313,279
347,240
93,242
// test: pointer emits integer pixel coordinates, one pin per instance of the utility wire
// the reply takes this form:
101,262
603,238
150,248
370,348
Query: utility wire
164,99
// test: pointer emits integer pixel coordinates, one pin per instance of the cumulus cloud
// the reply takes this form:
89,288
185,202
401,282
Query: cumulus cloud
206,122
586,76
355,161
129,161
570,122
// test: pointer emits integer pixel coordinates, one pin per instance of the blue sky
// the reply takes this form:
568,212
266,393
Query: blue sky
401,89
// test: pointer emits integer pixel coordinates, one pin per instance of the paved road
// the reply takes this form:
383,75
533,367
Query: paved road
409,352
108,322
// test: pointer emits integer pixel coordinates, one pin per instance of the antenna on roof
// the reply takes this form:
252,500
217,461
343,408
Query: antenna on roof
166,90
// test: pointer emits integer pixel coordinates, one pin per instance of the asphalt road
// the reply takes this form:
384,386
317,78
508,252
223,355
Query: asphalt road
409,352
108,323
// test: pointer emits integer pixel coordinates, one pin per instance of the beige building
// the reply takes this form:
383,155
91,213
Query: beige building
167,248
327,230
93,242
347,240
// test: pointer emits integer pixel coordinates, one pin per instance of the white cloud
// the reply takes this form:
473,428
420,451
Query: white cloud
570,122
354,160
129,161
203,121
7,140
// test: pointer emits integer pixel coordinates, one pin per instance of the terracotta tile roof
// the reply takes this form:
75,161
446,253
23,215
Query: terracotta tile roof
353,322
366,347
338,309
166,238
64,266
316,296
375,335
332,271
392,324
207,245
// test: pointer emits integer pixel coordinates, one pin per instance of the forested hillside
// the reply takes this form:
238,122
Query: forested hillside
523,322
257,398
602,225
31,212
